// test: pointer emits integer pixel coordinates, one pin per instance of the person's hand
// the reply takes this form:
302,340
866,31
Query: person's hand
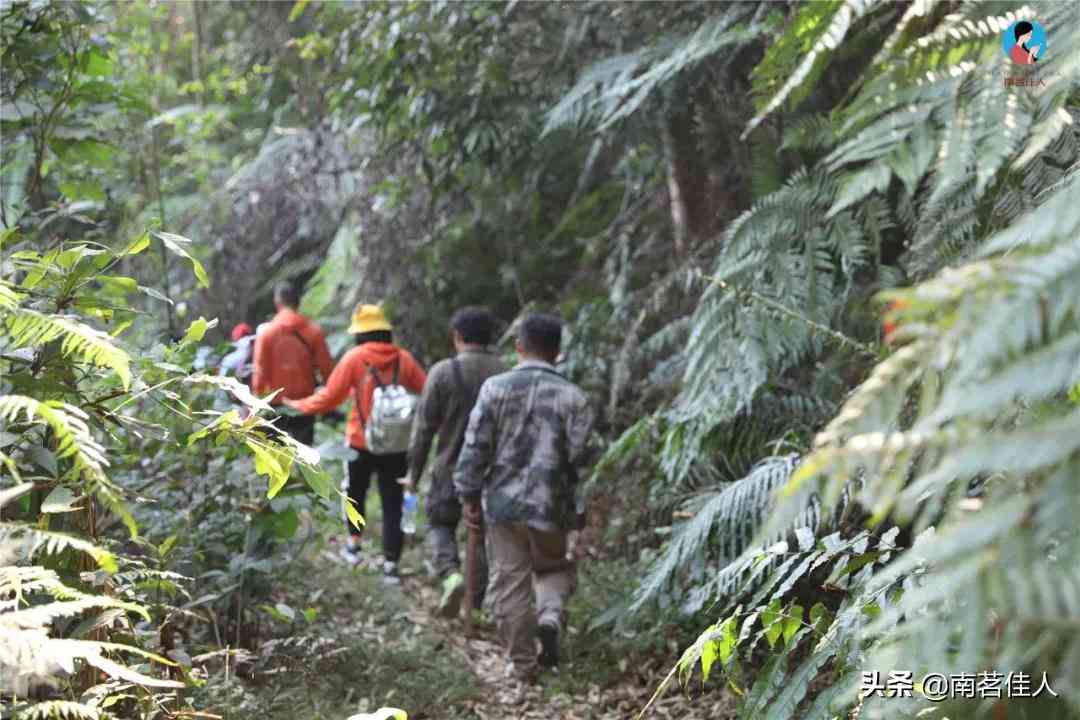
473,514
1035,51
289,402
407,483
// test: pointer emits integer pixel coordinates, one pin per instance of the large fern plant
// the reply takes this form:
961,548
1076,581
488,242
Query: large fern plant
932,145
968,436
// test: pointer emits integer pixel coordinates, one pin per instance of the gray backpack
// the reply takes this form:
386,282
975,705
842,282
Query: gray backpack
389,425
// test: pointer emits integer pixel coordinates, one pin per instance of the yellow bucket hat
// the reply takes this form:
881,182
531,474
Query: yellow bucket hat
368,318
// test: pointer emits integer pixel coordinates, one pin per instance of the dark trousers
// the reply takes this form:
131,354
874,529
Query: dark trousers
300,427
388,468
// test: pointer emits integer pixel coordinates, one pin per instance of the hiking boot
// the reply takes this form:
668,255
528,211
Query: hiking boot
453,591
549,645
390,574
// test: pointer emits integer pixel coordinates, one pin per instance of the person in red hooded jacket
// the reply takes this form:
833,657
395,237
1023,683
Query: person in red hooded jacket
288,351
352,378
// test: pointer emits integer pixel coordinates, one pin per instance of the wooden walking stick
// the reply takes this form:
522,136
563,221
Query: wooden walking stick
472,551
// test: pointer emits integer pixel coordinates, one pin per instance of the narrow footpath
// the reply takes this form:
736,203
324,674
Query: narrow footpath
415,660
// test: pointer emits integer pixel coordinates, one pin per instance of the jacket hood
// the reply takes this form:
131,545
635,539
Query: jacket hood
379,355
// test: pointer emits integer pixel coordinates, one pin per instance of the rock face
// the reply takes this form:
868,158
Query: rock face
274,218
320,200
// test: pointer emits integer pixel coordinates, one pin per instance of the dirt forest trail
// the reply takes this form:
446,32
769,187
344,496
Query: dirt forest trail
431,670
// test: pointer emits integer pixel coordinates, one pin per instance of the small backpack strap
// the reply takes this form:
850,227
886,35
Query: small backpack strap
359,386
458,377
397,367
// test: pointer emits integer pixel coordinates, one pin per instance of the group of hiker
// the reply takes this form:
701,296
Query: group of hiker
510,446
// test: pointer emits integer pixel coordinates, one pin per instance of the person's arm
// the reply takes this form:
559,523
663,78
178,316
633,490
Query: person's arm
323,360
429,416
260,377
478,453
579,428
335,392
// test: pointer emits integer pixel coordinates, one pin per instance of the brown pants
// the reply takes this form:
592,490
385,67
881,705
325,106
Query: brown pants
527,562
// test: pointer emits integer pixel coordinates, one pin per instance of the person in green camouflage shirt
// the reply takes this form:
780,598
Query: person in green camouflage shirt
525,450
449,395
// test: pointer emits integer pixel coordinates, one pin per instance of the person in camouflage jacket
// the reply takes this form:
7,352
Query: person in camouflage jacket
525,450
449,395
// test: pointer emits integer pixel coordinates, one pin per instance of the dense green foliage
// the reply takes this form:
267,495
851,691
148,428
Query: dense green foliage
724,201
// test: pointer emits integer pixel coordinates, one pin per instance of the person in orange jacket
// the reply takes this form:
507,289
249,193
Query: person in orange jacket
288,351
375,350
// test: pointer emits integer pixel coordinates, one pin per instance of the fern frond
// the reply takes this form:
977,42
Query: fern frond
68,423
62,710
966,433
829,38
615,88
722,527
29,328
9,297
51,542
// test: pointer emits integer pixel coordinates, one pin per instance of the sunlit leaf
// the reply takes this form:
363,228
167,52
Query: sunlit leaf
179,245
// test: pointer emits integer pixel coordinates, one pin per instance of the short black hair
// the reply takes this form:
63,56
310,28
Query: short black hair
374,336
1022,28
475,325
287,294
540,334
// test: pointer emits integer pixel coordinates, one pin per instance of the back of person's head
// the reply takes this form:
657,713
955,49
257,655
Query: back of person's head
287,295
475,325
540,334
384,336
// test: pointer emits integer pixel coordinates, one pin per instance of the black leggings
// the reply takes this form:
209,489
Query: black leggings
301,427
389,468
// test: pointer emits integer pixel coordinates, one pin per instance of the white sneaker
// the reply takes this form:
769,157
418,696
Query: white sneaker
391,576
351,554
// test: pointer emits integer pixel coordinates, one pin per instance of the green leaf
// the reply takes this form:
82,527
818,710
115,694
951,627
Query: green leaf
96,63
60,500
298,9
167,545
89,151
708,657
283,524
351,512
197,330
85,189
317,479
771,620
179,244
118,283
728,640
272,462
138,246
792,622
44,458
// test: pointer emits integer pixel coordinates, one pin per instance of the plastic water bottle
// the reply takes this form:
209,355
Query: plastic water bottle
408,513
